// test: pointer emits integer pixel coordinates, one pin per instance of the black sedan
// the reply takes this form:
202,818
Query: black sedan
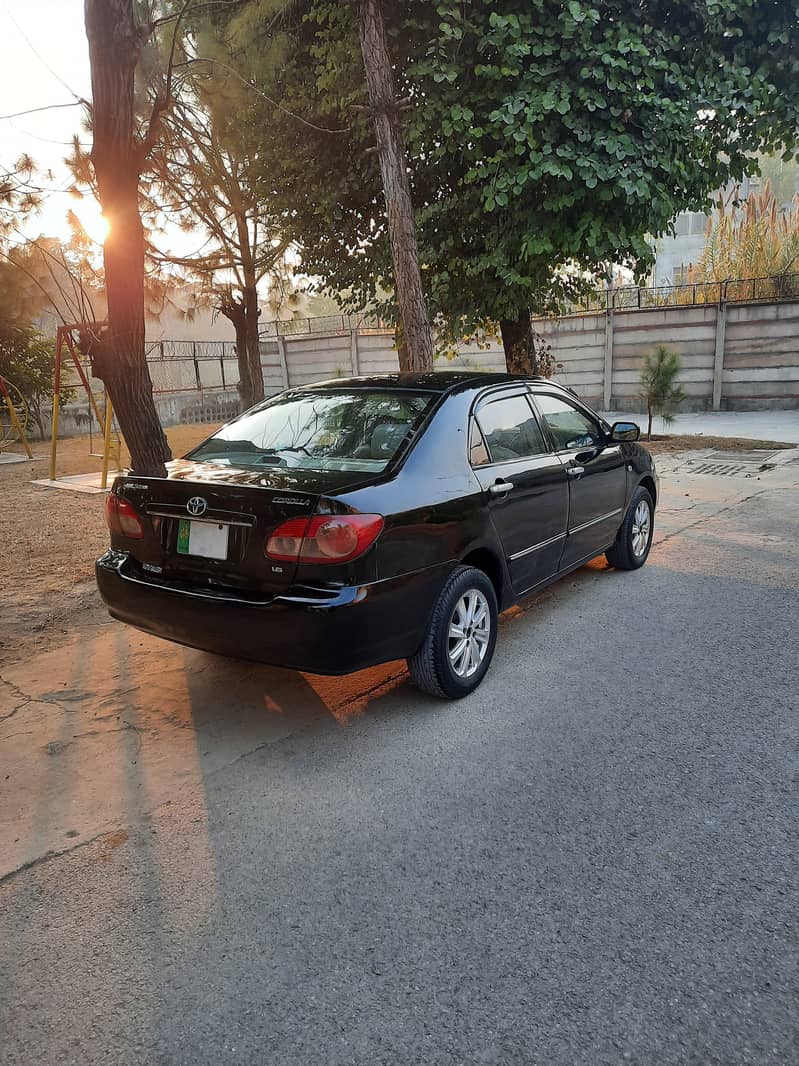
358,521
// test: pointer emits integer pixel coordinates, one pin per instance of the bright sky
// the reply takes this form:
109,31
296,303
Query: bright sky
54,29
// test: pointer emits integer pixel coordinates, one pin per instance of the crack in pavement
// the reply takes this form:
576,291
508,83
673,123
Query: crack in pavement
50,855
23,698
708,517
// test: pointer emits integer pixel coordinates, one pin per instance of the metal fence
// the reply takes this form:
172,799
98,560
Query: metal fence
746,290
629,297
363,323
185,366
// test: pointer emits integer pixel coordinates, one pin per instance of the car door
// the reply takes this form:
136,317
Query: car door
525,485
596,472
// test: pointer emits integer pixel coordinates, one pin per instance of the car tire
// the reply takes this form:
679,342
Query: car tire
440,666
634,539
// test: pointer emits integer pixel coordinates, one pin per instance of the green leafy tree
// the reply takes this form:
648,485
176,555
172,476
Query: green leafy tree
659,389
27,360
545,140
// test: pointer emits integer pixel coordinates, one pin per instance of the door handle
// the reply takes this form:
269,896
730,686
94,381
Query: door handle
575,471
500,488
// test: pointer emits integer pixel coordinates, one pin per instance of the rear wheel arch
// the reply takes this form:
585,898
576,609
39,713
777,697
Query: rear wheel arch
487,561
648,483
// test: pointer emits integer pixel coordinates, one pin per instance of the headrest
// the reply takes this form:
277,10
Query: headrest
386,438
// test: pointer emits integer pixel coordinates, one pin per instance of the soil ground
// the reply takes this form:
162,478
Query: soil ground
49,538
48,541
660,445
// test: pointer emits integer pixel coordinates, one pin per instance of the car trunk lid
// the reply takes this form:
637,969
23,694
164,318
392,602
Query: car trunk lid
207,524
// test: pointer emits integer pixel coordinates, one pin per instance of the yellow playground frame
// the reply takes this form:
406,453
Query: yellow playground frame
13,416
66,337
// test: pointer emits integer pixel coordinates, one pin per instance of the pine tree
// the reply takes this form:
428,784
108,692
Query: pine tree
660,391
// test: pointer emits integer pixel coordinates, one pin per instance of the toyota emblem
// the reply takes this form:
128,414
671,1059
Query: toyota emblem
197,506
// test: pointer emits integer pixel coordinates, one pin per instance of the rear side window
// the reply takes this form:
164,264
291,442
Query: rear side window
330,430
478,453
569,427
510,429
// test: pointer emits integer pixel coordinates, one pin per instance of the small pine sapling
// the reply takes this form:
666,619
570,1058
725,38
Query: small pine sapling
659,389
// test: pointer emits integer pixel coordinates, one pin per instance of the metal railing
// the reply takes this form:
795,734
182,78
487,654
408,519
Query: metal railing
633,297
623,298
363,323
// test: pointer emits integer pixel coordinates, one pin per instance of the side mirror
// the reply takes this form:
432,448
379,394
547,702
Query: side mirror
621,431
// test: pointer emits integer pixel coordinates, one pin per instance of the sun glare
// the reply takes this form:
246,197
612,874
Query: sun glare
91,218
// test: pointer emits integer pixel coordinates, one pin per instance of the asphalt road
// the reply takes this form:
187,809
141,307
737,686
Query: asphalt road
592,860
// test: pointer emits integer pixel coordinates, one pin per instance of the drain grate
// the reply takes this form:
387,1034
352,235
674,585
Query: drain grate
756,456
720,469
732,464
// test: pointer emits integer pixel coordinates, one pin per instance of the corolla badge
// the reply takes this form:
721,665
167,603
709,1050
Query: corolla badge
197,506
291,501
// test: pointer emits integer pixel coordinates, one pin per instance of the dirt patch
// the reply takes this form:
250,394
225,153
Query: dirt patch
49,540
661,445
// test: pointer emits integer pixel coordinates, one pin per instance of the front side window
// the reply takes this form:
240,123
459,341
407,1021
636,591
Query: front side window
569,427
510,429
329,430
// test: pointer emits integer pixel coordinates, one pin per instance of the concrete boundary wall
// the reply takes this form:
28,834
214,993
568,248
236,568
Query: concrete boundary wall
734,356
309,357
205,391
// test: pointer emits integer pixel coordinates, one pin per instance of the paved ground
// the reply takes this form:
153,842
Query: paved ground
590,861
754,425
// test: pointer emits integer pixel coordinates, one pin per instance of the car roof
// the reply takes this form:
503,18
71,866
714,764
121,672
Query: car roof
439,381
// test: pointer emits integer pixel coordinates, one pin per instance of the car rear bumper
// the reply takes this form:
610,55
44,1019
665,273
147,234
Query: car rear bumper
324,631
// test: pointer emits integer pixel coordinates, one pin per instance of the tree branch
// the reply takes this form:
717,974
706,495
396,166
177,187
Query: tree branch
162,102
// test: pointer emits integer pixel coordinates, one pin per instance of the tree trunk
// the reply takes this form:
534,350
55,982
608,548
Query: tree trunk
402,346
233,310
117,156
251,312
243,360
649,420
517,342
399,209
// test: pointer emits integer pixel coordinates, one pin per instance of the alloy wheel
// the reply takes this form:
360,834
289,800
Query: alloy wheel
642,521
469,633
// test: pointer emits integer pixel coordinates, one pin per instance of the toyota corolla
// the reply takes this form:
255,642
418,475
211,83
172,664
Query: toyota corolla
359,521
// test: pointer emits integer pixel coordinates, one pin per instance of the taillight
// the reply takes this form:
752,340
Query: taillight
339,538
324,538
122,517
286,541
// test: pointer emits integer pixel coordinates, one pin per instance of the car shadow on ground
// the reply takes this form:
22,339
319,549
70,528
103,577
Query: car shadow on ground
248,696
113,724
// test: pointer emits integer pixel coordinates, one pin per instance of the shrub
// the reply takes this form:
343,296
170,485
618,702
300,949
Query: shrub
27,360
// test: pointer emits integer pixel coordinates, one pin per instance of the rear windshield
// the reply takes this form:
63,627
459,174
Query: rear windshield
330,430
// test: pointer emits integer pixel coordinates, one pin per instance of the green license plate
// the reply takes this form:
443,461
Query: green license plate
184,529
207,540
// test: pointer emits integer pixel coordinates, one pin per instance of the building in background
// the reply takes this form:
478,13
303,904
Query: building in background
676,254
